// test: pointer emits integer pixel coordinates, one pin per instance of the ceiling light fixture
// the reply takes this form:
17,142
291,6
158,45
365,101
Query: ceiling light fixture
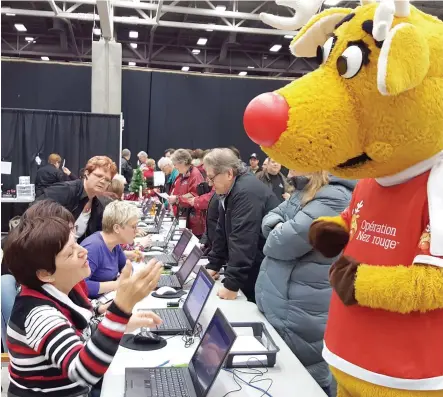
196,52
134,45
97,31
29,39
220,8
243,73
185,68
133,34
289,36
209,29
275,48
202,41
20,27
45,58
10,15
132,64
251,67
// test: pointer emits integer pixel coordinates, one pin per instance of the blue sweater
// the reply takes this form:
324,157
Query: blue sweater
105,265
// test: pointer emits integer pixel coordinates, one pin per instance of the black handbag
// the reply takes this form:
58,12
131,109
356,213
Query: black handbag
203,188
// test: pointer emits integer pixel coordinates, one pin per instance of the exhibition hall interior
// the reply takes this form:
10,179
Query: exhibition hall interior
216,198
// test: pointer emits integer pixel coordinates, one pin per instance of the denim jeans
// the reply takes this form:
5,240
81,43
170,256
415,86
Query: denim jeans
327,390
9,292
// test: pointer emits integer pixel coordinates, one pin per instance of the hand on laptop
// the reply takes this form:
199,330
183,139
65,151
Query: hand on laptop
143,319
141,232
133,289
145,241
224,293
215,275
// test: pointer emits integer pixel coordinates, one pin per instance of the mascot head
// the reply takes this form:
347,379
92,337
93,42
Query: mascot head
375,105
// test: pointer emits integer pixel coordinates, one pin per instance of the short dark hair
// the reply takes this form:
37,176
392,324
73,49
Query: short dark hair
48,208
170,150
198,154
33,245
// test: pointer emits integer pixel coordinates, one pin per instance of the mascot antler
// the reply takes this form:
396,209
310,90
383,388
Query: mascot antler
305,9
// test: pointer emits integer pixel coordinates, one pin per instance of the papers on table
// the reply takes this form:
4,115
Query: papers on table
245,344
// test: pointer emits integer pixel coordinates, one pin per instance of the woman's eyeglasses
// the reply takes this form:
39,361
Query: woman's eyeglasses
101,178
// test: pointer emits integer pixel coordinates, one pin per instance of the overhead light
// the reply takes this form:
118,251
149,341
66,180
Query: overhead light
29,39
289,36
20,27
243,73
185,68
332,2
202,41
34,42
209,29
251,67
134,45
275,48
45,58
196,52
133,34
10,15
97,31
220,8
132,64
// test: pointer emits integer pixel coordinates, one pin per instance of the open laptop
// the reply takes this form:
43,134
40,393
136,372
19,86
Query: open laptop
195,380
178,279
164,243
147,207
157,226
180,320
174,257
148,219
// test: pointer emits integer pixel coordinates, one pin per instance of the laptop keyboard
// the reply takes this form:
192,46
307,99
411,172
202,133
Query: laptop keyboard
172,319
165,258
167,382
168,281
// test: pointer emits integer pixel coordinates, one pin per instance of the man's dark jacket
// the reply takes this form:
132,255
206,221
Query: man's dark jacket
127,172
73,197
239,240
47,176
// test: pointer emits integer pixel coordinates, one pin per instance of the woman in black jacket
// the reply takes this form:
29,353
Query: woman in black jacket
80,196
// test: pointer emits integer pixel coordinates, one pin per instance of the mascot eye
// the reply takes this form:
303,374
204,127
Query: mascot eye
324,52
350,62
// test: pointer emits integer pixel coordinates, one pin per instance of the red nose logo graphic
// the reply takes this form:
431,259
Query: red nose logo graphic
266,118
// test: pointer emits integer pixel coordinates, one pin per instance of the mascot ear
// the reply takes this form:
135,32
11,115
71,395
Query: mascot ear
317,31
404,60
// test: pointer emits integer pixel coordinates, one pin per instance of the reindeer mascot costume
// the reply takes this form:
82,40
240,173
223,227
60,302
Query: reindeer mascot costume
373,111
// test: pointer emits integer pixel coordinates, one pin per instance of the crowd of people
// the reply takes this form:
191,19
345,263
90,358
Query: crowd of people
76,243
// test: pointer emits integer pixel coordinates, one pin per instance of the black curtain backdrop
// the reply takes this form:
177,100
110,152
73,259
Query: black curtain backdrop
75,136
202,112
136,97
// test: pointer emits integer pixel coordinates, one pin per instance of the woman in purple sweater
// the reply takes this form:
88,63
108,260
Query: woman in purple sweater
106,258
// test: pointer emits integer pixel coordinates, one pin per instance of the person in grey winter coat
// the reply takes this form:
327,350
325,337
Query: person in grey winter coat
292,288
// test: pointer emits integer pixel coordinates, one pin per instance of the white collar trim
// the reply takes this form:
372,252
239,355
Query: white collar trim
62,297
410,172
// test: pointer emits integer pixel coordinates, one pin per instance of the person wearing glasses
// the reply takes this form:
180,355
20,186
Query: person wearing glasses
105,255
80,196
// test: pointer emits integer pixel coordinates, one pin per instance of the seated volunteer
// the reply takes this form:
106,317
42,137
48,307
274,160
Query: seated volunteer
106,257
50,345
80,196
238,241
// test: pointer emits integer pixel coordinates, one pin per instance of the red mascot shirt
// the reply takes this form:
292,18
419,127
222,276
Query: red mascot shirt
388,226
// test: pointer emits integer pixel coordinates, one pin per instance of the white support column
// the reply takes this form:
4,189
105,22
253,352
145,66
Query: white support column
106,13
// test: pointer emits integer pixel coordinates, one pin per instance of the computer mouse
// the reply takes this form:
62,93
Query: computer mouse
142,224
166,291
156,249
147,338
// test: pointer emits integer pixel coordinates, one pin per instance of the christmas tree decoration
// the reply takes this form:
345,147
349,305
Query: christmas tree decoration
138,182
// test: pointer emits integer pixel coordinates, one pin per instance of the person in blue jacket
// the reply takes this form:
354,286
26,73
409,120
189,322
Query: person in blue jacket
292,288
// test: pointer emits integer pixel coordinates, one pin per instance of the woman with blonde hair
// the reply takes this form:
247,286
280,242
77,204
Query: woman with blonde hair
292,288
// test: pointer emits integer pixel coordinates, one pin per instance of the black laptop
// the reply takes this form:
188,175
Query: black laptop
180,320
157,226
195,380
174,257
164,243
178,279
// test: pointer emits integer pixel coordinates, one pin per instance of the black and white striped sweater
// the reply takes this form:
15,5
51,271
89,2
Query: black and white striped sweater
52,352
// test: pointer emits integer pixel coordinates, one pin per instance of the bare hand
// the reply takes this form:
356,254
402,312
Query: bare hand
133,289
286,196
143,319
215,275
172,200
146,241
224,293
102,308
66,171
191,201
141,232
278,225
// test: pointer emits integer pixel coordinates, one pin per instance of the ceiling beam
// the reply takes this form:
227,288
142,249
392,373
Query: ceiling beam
54,7
106,13
158,12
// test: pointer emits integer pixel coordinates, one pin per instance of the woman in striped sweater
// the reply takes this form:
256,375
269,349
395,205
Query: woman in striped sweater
49,337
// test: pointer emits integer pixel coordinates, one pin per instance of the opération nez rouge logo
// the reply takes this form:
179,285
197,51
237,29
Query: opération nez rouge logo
365,234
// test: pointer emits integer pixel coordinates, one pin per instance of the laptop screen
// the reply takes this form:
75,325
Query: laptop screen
171,230
147,207
198,295
182,244
189,264
211,353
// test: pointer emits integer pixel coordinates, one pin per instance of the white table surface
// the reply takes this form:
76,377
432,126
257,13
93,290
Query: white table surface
16,200
289,376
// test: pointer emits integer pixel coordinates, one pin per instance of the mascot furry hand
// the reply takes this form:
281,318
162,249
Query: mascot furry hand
373,111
